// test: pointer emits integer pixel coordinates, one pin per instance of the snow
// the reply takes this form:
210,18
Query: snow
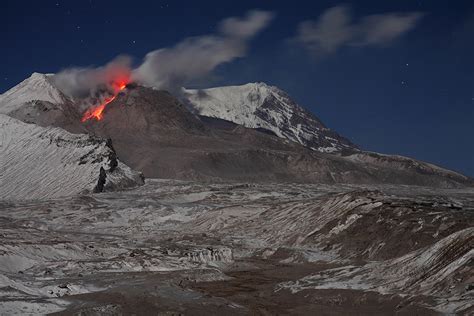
422,271
36,87
50,249
39,162
42,307
257,105
342,226
235,103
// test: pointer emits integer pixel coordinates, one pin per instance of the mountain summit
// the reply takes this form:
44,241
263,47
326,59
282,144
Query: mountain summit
38,87
258,105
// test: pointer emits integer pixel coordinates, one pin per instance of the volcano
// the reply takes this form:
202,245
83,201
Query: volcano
154,132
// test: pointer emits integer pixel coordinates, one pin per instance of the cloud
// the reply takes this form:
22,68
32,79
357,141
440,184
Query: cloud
335,29
384,28
247,27
196,57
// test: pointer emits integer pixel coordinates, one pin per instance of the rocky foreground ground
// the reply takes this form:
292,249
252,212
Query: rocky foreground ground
174,247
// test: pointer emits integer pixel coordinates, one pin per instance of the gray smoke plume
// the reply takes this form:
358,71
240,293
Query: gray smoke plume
83,82
171,68
194,58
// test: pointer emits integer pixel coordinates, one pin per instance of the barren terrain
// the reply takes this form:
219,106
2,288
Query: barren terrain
186,247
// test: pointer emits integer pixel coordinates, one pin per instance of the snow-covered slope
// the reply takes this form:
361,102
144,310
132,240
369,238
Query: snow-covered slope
36,88
38,162
37,100
442,270
257,105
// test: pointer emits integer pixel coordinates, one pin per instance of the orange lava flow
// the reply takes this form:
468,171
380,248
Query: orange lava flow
96,112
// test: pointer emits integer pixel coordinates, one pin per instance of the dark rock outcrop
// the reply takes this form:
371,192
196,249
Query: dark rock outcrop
101,181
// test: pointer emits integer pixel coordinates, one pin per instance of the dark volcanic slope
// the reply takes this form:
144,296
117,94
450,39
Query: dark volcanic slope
154,133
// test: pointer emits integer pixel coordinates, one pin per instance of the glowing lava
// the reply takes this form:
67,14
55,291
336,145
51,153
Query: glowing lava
96,112
120,85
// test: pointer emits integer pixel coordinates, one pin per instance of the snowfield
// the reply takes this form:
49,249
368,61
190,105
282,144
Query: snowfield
39,162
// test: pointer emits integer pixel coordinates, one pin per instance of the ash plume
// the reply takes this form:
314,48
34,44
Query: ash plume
196,57
84,82
171,68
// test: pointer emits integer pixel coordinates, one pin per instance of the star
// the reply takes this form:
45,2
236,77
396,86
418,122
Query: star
407,64
133,41
403,82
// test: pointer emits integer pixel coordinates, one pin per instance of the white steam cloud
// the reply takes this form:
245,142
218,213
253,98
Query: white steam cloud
335,28
172,68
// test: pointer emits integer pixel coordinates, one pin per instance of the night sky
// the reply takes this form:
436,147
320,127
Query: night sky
412,94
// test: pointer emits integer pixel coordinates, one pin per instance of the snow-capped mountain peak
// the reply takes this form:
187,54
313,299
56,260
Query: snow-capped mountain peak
38,87
258,105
